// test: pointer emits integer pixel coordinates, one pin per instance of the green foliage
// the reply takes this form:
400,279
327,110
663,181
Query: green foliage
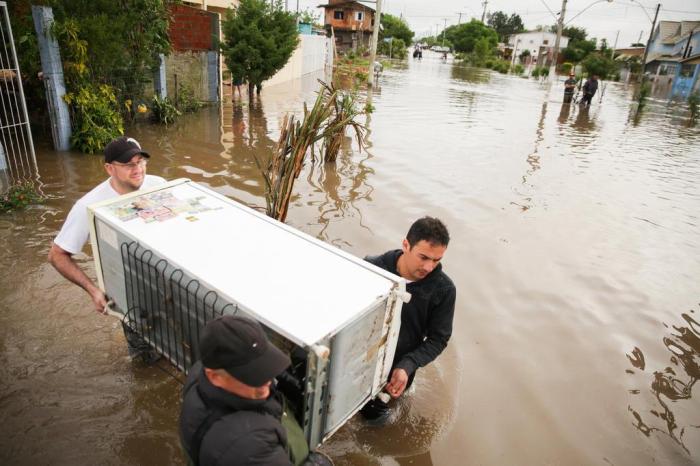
259,40
602,65
396,47
96,117
186,100
694,106
566,67
163,111
518,69
309,16
579,47
642,94
465,36
345,111
395,27
505,25
540,72
524,54
122,39
19,196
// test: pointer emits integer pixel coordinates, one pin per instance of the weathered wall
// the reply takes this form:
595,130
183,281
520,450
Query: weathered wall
188,69
192,32
313,54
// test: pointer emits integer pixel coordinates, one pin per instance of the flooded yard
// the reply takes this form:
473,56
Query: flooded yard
575,251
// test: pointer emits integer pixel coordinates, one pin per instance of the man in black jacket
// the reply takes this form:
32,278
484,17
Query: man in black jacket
426,320
231,413
589,90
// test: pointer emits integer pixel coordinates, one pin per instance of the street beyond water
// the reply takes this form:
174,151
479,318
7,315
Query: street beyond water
575,250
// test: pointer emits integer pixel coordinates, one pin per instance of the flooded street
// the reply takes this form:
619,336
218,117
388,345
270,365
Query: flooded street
575,251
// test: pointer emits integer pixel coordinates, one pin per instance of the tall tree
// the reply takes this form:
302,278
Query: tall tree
465,36
397,28
505,25
258,41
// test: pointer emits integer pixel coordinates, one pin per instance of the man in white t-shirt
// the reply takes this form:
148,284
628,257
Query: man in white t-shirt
125,162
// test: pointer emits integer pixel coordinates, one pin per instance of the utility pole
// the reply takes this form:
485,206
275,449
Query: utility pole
640,36
560,27
375,39
483,15
459,21
443,32
651,34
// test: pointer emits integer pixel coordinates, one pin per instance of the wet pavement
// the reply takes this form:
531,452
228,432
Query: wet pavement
575,251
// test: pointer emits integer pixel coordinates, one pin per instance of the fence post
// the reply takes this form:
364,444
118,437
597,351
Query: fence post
53,74
159,81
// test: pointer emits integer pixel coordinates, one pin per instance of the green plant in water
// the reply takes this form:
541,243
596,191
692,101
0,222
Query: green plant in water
19,196
694,106
518,69
296,138
96,117
344,113
186,100
163,111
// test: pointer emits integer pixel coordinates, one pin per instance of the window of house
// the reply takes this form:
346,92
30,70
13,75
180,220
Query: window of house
338,14
687,71
545,42
359,15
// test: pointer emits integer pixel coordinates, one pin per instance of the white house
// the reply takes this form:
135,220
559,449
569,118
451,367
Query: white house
539,43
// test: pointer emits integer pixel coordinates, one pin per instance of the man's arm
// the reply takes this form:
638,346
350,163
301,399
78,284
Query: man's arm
65,265
438,334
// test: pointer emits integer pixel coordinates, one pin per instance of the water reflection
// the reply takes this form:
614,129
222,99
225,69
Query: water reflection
671,385
564,113
469,74
584,123
343,184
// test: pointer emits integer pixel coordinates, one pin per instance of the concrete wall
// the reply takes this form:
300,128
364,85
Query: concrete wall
190,69
193,62
313,54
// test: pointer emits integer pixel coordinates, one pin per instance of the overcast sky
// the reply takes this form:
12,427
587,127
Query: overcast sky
601,20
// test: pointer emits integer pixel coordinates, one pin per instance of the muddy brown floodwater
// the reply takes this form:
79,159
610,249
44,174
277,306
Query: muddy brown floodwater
575,251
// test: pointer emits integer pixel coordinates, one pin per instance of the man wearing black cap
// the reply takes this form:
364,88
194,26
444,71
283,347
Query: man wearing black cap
231,412
125,162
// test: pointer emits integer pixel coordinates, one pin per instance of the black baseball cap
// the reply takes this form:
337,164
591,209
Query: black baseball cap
239,346
122,149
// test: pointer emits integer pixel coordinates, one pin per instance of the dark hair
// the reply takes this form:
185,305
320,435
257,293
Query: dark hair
429,229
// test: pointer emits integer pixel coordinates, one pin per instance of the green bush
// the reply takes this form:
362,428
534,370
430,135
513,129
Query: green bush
19,196
186,101
396,47
566,67
96,117
163,111
518,69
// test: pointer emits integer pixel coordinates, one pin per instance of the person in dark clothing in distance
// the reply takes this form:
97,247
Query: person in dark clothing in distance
426,320
589,90
232,413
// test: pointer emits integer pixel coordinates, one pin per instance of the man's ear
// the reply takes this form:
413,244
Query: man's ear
405,245
109,168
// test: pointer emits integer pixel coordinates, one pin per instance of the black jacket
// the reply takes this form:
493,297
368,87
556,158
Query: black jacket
591,86
250,435
426,320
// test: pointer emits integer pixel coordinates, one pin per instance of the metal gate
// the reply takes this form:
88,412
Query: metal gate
17,158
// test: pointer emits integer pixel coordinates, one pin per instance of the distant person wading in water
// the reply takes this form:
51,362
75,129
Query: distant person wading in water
589,90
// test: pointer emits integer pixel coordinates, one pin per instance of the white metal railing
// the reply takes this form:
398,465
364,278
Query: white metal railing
18,160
